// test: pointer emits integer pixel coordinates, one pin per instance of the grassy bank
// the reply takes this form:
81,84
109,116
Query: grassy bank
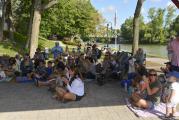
12,48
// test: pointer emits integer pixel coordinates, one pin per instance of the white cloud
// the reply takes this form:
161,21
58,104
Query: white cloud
155,0
109,9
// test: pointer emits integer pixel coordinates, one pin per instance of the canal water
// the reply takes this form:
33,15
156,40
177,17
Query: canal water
151,50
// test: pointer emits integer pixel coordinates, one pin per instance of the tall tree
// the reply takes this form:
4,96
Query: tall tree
39,7
9,19
136,26
2,17
30,24
169,19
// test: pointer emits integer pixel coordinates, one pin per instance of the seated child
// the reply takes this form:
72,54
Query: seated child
41,73
49,68
173,98
2,74
139,86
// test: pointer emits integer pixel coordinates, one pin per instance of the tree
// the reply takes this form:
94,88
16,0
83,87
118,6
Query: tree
9,19
127,29
174,28
39,7
136,26
168,20
75,17
2,17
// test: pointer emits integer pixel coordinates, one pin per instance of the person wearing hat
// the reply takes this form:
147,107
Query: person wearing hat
57,50
174,47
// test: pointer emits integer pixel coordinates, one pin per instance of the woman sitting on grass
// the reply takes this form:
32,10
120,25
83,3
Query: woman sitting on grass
74,89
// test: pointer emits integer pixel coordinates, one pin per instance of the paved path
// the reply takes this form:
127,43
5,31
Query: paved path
155,63
26,102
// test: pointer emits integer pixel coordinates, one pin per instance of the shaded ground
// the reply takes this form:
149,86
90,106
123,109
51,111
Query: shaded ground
26,102
155,63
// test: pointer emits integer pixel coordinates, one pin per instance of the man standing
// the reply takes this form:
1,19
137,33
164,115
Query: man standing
174,47
57,50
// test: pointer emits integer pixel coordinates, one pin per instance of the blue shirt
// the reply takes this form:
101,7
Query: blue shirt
57,50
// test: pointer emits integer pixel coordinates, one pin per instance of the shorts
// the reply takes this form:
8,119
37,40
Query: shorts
150,105
172,105
78,98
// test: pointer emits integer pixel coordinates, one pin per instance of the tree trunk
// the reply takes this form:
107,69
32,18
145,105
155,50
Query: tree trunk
30,25
38,9
2,19
35,27
9,20
136,22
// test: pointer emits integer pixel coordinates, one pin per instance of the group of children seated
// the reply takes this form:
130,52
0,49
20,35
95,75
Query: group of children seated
64,76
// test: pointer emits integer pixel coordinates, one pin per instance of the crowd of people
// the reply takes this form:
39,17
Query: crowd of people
64,75
147,90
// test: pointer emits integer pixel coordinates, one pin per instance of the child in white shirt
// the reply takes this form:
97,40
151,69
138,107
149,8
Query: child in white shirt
173,98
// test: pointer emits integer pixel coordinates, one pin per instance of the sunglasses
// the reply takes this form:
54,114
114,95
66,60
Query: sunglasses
152,74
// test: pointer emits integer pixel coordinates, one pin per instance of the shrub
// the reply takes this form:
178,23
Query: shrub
70,43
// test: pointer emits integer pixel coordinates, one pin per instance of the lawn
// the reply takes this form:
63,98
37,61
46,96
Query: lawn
11,48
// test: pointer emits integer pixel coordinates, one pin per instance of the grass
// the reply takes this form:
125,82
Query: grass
11,48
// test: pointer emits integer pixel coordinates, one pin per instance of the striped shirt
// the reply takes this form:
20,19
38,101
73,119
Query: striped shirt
175,49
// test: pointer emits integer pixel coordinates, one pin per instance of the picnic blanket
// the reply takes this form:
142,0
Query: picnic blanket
158,110
23,80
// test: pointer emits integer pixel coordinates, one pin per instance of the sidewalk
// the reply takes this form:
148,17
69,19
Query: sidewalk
26,102
155,63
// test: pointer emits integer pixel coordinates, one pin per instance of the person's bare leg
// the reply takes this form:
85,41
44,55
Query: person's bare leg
173,111
69,97
142,104
135,97
60,92
40,83
168,111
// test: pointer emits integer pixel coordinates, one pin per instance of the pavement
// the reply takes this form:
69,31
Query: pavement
20,101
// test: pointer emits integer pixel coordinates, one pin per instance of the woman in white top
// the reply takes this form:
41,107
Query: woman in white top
74,90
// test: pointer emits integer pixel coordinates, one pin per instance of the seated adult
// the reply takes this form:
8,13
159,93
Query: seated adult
74,89
26,65
106,64
140,56
39,56
153,87
91,71
2,74
140,69
55,79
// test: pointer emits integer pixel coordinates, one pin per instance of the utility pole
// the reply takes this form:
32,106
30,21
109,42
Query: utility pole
115,28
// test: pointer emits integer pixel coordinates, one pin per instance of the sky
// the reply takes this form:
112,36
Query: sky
126,8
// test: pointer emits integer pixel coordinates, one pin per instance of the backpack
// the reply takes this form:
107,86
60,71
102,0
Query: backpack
99,52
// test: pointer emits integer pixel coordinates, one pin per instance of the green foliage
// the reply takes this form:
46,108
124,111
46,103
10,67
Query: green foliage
127,29
21,15
70,18
157,30
70,43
